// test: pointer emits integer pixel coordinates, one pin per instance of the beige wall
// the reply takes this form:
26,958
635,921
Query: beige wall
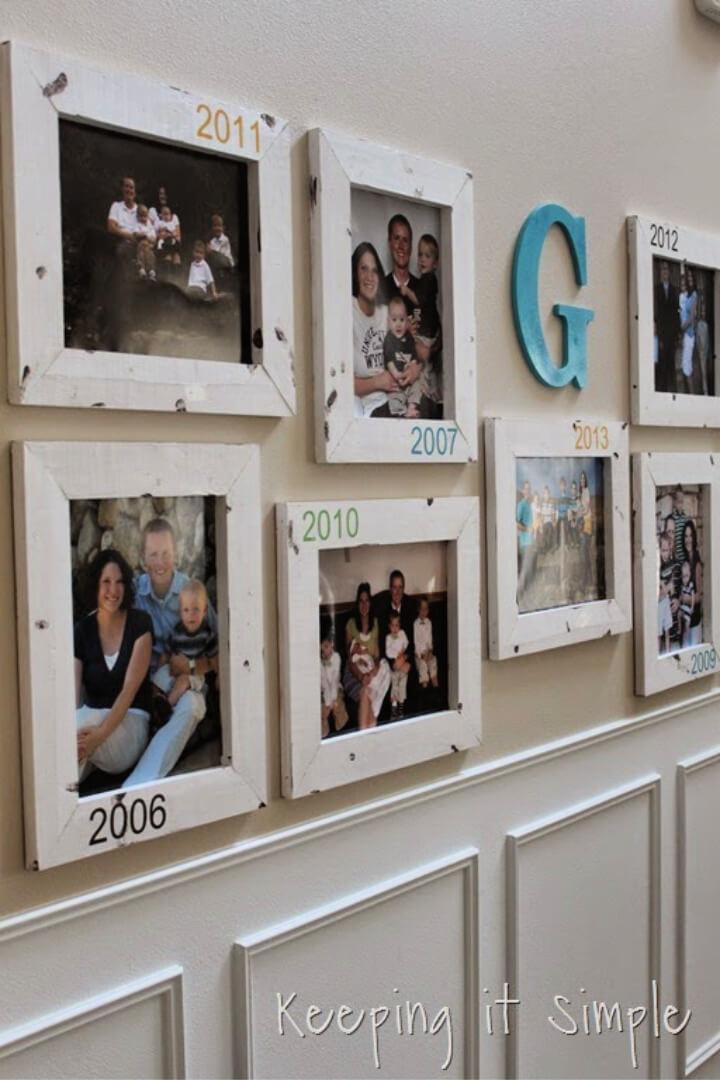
607,108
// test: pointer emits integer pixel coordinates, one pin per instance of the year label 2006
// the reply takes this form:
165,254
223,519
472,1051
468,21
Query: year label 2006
663,237
591,437
216,126
322,524
135,818
703,661
433,441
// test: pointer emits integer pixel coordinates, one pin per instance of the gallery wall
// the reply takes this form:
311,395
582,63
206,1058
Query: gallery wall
607,110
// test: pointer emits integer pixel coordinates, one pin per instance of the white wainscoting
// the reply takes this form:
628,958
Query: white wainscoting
586,868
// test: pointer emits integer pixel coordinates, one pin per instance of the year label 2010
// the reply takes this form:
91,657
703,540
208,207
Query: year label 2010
216,126
323,524
591,437
432,441
133,818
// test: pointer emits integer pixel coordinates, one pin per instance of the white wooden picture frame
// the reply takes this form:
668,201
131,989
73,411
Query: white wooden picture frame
655,672
311,763
38,90
512,633
652,239
339,163
59,824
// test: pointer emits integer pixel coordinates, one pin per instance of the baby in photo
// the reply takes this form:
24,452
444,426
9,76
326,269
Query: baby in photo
425,299
201,283
425,660
396,645
399,351
145,237
193,638
167,228
331,693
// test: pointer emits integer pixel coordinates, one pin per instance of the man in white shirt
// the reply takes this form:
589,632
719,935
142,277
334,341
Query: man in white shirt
122,215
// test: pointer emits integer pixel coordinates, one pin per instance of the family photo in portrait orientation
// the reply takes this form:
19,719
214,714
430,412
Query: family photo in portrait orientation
397,308
679,515
684,328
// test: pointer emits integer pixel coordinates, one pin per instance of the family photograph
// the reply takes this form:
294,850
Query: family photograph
145,639
559,518
397,308
680,553
684,328
383,635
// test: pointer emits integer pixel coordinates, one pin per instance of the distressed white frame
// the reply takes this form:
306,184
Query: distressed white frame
511,633
47,476
337,164
311,763
654,673
679,244
41,370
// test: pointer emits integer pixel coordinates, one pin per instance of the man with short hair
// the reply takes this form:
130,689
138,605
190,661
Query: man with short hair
122,217
398,280
666,312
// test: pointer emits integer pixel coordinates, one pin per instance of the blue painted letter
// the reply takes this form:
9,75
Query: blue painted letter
525,272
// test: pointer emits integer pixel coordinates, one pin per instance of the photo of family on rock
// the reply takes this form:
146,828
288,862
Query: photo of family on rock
155,248
383,646
684,328
679,527
397,326
145,639
560,525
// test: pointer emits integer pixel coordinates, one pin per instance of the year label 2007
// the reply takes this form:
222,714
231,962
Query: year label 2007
216,126
433,441
134,818
662,236
322,524
703,661
591,437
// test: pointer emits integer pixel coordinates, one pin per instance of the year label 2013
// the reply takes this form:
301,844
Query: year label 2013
433,441
324,524
133,818
591,437
663,237
703,661
216,126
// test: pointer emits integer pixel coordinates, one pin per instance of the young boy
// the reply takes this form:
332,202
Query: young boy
425,660
425,298
201,283
167,228
193,638
219,250
666,593
399,351
687,601
331,693
396,645
145,244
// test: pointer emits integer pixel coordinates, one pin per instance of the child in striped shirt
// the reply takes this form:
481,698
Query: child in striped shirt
193,638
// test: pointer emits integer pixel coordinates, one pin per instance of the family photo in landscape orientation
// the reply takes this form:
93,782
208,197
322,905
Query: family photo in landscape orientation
383,635
155,248
680,551
145,639
560,524
397,308
684,328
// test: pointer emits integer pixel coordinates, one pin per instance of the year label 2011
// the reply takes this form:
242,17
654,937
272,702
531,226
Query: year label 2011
135,818
663,237
703,661
323,524
216,126
591,437
433,441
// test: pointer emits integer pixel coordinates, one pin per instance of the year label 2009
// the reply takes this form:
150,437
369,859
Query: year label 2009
591,437
216,126
433,441
323,524
133,818
703,661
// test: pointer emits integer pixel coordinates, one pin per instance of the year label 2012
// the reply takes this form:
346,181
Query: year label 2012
663,237
323,524
133,819
216,126
591,437
432,441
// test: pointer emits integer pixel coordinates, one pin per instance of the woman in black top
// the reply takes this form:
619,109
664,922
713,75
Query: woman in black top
113,646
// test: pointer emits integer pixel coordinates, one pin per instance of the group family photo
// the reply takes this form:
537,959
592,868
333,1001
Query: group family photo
560,525
155,248
383,635
684,328
145,639
679,527
397,305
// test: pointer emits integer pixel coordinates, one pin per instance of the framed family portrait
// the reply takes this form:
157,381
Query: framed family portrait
674,294
380,636
393,305
676,504
558,533
147,243
142,701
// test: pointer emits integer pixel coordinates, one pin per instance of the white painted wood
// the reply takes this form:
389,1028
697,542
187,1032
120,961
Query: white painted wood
41,370
509,632
338,163
46,477
654,673
313,764
164,989
651,406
